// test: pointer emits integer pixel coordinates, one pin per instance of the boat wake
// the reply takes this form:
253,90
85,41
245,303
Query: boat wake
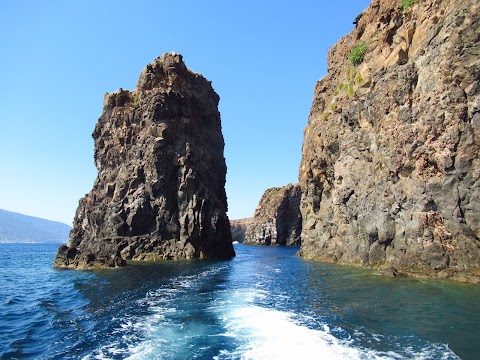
196,316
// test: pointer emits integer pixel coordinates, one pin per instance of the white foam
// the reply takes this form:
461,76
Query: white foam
272,334
154,335
256,332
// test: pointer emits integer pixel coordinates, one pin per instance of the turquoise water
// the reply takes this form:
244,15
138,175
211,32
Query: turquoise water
264,304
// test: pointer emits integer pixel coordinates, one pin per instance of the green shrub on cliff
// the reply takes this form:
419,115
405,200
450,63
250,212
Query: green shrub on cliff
407,3
358,53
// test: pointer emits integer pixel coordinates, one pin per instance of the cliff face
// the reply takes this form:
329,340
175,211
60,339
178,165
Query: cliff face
160,190
390,167
277,219
239,228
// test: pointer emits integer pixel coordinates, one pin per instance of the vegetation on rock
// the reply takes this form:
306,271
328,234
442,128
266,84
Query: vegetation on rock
407,3
358,54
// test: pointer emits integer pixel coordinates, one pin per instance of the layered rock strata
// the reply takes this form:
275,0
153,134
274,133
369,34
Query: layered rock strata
390,167
277,219
160,190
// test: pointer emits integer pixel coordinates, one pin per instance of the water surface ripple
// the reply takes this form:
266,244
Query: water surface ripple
264,304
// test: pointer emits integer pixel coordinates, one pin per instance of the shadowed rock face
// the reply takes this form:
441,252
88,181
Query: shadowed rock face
390,167
277,219
239,228
160,190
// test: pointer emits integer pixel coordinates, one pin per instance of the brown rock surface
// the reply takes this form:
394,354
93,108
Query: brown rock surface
277,219
160,190
390,167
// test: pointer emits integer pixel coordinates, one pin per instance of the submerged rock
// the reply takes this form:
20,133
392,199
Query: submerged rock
390,168
160,190
277,219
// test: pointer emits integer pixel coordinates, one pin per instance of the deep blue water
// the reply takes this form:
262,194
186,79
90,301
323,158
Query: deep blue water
264,304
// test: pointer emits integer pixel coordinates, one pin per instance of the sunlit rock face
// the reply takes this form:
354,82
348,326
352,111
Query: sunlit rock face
160,190
390,166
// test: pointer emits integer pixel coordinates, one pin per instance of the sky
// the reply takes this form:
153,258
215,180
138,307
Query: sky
58,58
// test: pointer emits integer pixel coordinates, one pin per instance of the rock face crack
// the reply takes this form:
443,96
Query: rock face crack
160,189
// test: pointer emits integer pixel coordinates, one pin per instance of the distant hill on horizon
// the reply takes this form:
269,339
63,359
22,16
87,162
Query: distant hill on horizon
19,228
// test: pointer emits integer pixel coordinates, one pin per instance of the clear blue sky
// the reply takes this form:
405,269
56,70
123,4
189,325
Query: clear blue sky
58,58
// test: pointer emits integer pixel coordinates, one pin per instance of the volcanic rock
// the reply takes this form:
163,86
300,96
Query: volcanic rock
239,228
160,190
390,168
277,219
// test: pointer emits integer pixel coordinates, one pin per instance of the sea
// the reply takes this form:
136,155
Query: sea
266,303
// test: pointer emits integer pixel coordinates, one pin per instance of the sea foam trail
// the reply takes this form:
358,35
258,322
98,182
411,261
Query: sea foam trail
209,315
172,327
272,334
268,333
248,330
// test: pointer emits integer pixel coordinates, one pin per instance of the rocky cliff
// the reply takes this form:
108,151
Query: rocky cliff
277,219
390,167
160,190
239,228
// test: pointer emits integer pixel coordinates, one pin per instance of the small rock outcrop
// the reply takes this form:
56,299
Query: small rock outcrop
239,228
277,219
390,168
160,190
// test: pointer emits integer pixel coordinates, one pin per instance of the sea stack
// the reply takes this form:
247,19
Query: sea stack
390,168
160,189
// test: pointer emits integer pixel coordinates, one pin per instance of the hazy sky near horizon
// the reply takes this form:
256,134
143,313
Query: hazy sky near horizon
58,58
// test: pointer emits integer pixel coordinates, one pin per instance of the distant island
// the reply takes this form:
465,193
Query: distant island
19,228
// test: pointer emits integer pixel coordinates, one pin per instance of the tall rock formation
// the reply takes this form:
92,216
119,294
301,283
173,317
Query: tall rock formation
277,219
390,167
160,190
